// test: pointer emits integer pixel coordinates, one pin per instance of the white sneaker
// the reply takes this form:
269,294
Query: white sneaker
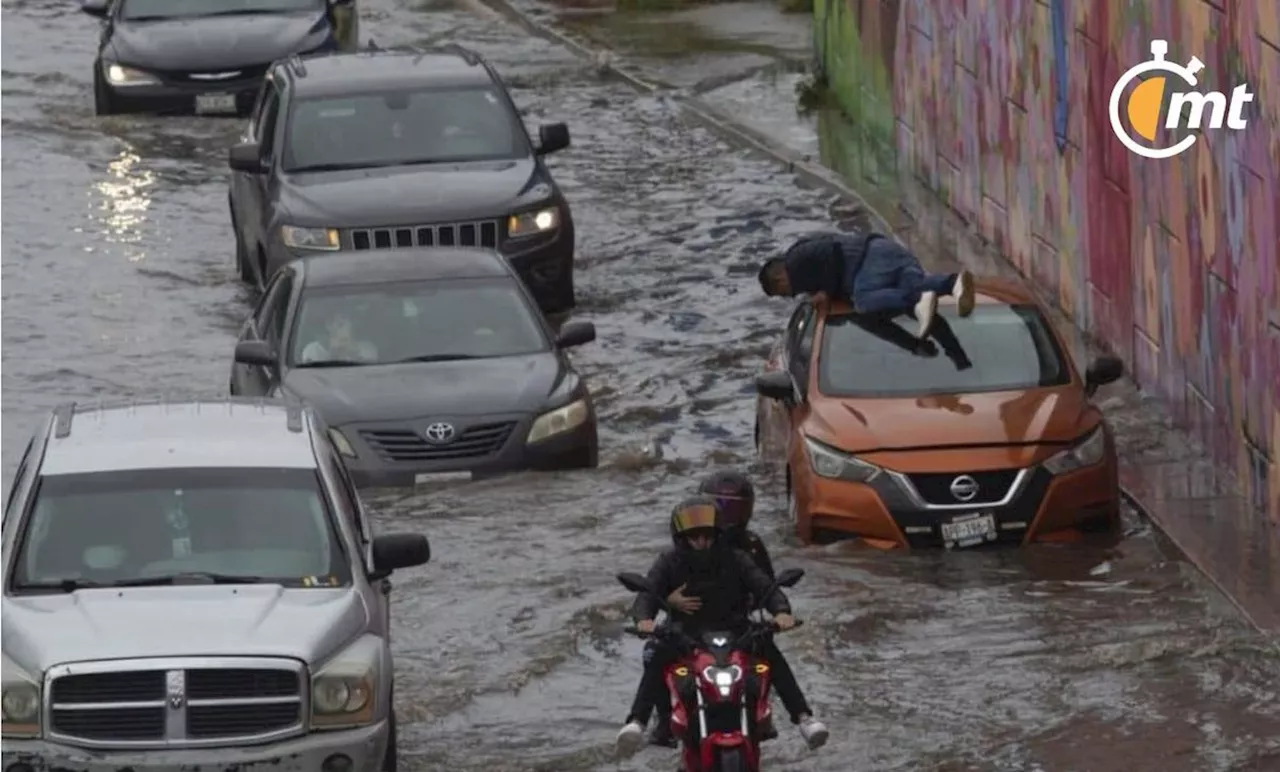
925,310
963,292
814,732
630,738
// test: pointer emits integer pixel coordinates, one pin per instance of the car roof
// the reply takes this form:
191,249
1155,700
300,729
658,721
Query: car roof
380,266
229,432
987,292
379,70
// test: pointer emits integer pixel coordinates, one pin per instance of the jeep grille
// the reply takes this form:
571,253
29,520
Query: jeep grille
482,233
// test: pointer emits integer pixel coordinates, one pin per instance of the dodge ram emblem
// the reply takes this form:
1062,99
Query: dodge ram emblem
176,687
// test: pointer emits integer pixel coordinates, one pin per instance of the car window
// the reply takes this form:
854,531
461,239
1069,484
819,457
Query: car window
802,354
270,116
110,527
260,101
187,9
403,127
376,324
997,348
347,492
17,482
271,316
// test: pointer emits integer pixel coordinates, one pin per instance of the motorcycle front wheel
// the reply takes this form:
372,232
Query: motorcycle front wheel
732,760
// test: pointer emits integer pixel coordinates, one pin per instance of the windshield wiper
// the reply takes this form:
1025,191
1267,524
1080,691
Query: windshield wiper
191,577
435,358
334,167
333,363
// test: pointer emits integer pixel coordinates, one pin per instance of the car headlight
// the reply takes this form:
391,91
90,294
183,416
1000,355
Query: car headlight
1087,452
310,238
558,421
340,442
723,677
19,701
119,75
344,693
529,223
834,464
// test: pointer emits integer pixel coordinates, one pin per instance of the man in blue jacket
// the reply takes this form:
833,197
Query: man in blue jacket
870,270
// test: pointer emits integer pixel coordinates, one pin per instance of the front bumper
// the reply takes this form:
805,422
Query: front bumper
179,98
366,747
392,453
891,511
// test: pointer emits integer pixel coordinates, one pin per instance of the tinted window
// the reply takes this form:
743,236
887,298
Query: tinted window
391,323
164,9
403,127
1006,348
117,526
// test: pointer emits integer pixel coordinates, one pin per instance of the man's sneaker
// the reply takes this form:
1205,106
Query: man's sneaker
814,732
963,292
630,738
661,734
925,310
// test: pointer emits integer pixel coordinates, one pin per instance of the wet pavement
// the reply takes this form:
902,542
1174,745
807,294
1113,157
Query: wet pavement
118,281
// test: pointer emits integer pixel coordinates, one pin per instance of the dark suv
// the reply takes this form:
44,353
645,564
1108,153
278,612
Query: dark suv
387,149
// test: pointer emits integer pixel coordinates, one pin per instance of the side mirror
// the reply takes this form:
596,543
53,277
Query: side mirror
399,550
1105,369
246,157
775,385
552,137
255,352
575,334
636,582
96,8
790,577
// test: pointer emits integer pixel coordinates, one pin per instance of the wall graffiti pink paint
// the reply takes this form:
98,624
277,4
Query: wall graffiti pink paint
1174,263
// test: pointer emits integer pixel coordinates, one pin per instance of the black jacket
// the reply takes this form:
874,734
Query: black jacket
726,594
827,262
747,541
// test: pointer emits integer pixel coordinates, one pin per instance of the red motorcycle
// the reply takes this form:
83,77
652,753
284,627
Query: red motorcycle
719,687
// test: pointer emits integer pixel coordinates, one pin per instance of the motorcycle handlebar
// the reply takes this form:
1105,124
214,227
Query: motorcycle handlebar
770,627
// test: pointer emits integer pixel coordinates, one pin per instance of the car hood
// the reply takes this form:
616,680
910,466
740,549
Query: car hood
1012,418
411,195
519,384
261,620
215,44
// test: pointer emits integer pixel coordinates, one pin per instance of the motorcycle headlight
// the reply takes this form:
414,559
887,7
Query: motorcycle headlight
344,693
1087,452
340,442
19,701
834,464
310,238
119,75
536,221
723,677
558,421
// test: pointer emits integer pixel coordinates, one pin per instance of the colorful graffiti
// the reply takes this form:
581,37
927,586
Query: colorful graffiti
1001,107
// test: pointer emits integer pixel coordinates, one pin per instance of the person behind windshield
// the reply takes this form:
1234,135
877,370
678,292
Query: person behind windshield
341,344
709,586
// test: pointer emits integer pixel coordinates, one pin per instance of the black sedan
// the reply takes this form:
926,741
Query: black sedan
205,56
427,364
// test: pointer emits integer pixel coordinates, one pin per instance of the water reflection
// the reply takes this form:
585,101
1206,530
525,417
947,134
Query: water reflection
125,200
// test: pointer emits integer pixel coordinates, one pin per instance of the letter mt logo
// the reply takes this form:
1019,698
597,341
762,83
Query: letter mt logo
1149,99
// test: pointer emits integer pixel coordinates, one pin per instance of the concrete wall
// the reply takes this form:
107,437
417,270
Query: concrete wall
1002,109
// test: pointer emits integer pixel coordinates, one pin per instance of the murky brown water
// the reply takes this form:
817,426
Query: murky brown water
117,278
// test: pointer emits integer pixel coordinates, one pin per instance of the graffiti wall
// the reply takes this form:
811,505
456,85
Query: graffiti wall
1001,106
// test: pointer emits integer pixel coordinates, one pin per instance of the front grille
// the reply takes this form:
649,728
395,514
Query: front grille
243,73
409,446
466,234
993,486
176,703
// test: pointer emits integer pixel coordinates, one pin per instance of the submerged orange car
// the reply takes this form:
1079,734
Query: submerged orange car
984,432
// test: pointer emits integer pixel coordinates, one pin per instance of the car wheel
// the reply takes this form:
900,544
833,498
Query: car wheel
103,102
243,270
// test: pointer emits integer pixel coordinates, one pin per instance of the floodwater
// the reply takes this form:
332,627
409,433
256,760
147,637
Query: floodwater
118,281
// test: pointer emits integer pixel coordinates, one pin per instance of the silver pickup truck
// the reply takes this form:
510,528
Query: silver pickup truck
190,586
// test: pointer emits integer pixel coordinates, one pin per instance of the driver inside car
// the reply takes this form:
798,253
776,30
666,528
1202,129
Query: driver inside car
340,344
708,585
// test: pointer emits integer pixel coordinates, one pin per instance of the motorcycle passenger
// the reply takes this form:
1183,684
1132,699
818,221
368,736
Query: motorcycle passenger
709,585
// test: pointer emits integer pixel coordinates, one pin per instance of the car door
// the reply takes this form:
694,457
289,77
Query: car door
267,323
242,186
256,199
790,355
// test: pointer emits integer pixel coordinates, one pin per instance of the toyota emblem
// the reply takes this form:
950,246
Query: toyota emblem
439,433
964,488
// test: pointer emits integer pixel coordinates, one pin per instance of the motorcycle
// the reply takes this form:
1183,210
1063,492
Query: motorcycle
721,681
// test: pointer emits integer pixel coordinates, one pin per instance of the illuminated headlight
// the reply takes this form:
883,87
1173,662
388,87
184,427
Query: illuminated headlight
558,421
529,223
723,677
118,75
1087,452
340,442
344,691
19,701
309,238
838,465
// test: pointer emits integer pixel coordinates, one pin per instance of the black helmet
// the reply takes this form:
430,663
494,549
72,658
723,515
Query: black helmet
734,495
694,514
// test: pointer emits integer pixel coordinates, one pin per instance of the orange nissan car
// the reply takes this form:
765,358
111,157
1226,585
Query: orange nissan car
985,432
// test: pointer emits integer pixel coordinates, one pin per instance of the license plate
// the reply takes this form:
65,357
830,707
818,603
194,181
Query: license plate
968,530
426,478
215,103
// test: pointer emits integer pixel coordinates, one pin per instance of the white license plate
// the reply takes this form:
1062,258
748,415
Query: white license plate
968,530
426,478
215,103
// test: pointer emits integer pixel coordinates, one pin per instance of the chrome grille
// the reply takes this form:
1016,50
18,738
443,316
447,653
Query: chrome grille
482,233
176,702
407,445
215,77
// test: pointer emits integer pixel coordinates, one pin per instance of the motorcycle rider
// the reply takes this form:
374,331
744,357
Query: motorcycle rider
709,586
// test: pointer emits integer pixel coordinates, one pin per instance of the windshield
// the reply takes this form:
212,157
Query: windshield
187,9
120,527
364,325
402,127
997,348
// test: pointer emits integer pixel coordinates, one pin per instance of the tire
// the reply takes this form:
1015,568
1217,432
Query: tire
103,102
731,760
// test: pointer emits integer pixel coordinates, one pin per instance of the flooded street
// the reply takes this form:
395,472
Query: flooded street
118,280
